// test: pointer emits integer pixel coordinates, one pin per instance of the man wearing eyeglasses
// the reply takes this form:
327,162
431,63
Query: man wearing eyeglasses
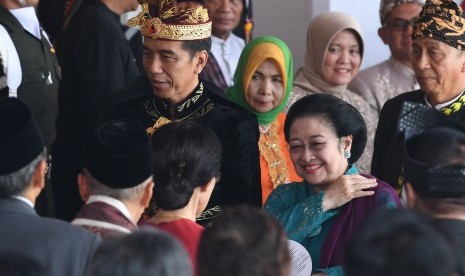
438,60
394,76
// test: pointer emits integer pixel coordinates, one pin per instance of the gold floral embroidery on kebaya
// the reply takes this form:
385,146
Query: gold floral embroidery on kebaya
271,151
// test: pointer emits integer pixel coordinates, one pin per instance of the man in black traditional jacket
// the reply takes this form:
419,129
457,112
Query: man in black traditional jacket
96,61
175,50
439,65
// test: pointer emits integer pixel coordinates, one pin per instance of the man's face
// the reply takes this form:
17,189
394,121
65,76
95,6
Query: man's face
172,72
439,69
225,16
397,31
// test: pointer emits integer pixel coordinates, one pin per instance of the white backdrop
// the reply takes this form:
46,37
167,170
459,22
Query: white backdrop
289,19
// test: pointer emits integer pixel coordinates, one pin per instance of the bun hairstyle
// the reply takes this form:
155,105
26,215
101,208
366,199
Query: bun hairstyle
186,155
342,117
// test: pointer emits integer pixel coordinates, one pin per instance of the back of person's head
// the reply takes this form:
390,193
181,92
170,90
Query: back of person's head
244,241
399,242
17,264
145,252
120,160
21,147
186,155
435,169
342,117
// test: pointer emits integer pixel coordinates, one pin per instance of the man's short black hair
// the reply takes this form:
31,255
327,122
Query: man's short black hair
195,46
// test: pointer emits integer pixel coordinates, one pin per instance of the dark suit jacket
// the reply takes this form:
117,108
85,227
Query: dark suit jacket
388,146
61,248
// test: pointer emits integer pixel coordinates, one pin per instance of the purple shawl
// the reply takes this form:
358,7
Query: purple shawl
347,222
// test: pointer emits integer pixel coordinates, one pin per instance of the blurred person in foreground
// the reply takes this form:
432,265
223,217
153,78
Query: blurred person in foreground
244,242
434,169
400,243
144,252
116,184
57,246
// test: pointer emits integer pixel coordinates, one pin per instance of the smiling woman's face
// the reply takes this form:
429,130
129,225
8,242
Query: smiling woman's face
342,59
323,161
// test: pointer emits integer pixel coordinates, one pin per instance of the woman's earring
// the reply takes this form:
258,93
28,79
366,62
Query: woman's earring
347,154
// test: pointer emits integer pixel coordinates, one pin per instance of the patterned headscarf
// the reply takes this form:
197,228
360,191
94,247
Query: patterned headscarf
258,50
387,6
442,20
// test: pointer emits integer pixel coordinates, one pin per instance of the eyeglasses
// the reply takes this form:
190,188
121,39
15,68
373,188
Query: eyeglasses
400,25
217,2
314,146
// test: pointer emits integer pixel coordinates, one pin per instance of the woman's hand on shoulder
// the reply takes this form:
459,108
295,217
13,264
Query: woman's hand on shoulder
346,188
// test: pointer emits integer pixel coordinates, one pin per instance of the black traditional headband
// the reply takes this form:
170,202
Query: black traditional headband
442,20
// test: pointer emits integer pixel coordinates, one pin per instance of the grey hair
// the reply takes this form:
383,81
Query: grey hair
17,182
98,188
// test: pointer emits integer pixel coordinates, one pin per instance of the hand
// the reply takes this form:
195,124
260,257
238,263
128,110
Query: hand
346,188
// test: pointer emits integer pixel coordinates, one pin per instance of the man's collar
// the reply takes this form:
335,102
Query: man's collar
22,198
449,107
184,108
113,202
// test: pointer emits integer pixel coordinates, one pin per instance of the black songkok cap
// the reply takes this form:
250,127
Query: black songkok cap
20,138
442,20
120,156
422,124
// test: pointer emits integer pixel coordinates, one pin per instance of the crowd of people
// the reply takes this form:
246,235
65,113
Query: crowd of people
198,151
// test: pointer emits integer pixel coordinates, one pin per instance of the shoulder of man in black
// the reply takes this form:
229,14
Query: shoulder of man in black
218,96
114,103
386,138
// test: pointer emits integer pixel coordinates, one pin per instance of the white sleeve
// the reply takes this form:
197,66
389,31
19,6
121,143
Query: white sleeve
11,62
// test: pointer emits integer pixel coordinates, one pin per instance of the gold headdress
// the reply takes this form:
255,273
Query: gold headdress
168,19
442,20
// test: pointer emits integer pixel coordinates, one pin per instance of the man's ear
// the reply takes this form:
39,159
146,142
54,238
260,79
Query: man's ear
410,195
83,186
38,178
200,60
147,196
383,35
463,62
